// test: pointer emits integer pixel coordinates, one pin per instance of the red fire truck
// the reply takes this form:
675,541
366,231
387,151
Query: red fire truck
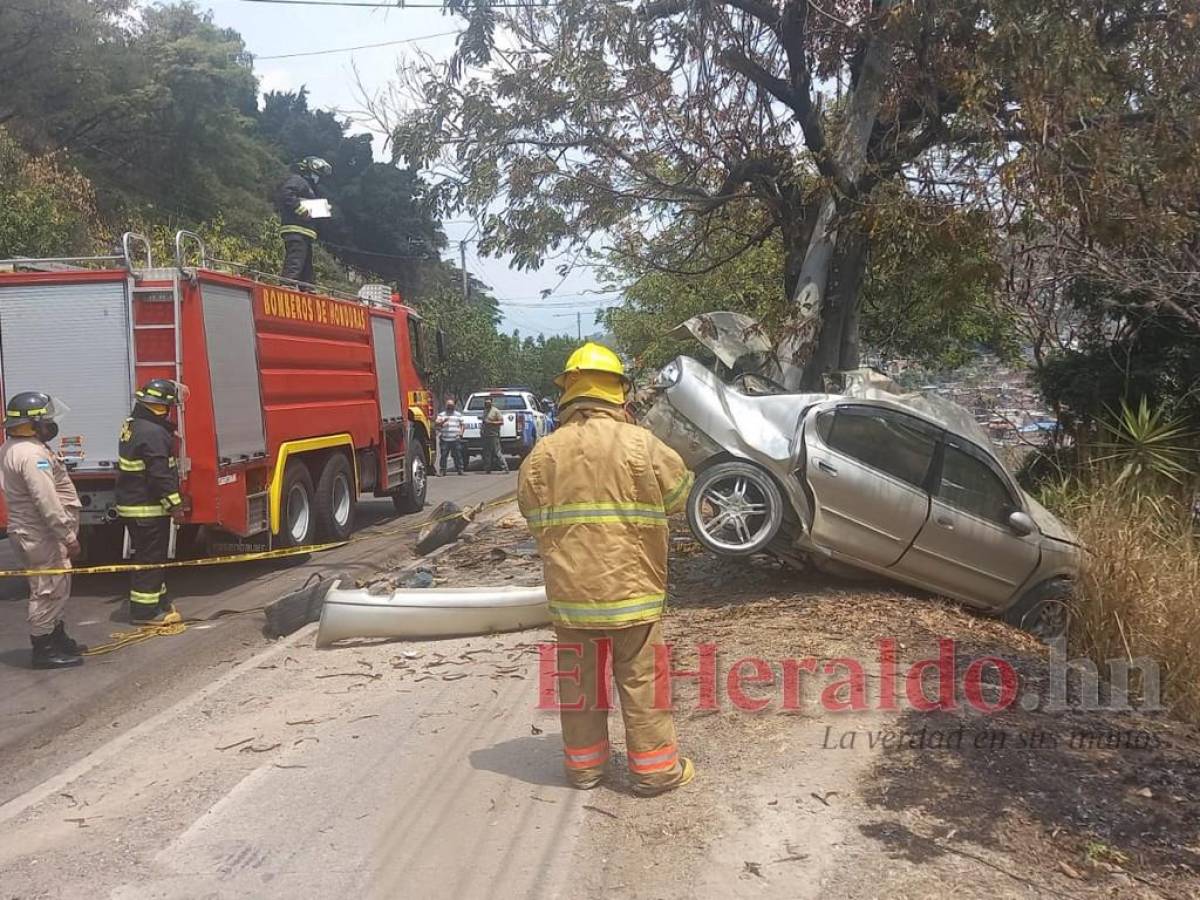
297,402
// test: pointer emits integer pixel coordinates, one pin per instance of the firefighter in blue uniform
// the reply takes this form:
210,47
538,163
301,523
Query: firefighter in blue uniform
148,495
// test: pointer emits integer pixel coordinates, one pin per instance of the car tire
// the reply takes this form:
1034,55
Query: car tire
335,499
297,518
1044,610
730,490
411,496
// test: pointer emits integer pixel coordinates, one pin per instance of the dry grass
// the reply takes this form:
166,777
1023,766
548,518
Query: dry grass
1140,591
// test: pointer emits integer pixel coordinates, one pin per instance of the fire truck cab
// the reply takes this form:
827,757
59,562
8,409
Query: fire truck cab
297,401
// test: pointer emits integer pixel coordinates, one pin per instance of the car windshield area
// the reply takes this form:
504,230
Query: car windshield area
500,401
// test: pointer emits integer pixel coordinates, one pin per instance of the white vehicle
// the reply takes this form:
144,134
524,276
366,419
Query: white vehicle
524,421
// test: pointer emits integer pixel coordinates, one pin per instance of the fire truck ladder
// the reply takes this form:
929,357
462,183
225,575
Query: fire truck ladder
146,289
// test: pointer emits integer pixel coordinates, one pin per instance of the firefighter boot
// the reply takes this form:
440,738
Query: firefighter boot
48,655
162,614
63,641
686,774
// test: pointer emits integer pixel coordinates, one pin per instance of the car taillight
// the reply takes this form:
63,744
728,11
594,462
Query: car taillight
520,421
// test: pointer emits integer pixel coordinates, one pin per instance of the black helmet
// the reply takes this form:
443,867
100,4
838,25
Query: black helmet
314,165
159,390
31,407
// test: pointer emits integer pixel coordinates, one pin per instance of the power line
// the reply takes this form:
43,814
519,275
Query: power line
412,40
398,5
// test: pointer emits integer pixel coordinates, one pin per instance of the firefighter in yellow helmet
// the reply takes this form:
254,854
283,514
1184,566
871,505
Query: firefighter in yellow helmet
596,494
148,497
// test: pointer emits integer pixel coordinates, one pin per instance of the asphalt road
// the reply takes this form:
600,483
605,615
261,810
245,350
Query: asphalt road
48,719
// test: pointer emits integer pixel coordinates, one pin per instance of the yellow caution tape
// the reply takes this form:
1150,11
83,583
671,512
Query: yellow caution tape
254,556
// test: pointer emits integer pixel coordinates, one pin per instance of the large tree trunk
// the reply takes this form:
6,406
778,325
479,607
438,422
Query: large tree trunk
822,334
836,344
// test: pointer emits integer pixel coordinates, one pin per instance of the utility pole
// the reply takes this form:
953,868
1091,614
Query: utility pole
579,326
462,257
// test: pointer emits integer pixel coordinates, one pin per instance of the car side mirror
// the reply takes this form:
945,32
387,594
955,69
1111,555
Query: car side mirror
1021,523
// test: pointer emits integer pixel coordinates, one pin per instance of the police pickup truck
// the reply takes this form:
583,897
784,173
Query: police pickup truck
524,421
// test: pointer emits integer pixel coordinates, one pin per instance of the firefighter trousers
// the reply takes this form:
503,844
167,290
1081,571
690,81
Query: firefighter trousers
151,540
626,655
47,593
298,259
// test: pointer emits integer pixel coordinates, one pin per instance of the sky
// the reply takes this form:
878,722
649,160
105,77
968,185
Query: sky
273,30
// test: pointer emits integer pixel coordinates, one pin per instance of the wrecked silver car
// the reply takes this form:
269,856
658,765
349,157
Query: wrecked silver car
899,484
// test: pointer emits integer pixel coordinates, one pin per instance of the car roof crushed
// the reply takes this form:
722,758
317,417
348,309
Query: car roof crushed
741,343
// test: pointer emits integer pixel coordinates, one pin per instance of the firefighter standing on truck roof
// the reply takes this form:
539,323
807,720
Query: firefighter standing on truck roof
597,493
148,496
43,520
296,225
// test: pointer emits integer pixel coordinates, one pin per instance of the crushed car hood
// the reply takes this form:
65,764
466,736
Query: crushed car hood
741,343
736,339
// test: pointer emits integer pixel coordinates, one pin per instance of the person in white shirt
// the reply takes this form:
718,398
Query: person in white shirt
450,431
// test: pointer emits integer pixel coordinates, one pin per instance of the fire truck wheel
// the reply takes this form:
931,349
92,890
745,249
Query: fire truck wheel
335,500
411,497
297,521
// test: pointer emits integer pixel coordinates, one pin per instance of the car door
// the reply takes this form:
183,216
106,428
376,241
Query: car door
867,467
539,417
966,548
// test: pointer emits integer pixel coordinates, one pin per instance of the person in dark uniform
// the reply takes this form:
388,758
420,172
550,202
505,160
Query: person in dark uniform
148,496
296,225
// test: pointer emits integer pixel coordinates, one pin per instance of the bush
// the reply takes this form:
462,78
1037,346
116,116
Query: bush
1139,594
46,207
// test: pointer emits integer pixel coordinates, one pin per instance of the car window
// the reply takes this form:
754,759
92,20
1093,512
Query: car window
501,401
970,484
891,442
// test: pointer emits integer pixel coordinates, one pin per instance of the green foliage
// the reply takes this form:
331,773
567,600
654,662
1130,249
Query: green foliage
655,301
479,356
156,109
1147,446
932,281
192,127
383,220
1124,351
929,296
46,208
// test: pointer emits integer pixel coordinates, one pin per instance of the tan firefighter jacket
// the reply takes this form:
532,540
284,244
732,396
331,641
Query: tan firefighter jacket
596,494
42,503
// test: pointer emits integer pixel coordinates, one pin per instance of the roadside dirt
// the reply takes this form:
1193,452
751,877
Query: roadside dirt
797,803
384,769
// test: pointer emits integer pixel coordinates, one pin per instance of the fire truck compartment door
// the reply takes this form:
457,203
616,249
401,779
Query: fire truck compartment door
71,341
383,333
233,369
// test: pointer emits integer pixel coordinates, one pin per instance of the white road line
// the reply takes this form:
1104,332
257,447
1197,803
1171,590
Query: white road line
119,744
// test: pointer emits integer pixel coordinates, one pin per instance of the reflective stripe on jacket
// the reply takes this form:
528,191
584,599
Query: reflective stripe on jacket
287,204
148,473
596,494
